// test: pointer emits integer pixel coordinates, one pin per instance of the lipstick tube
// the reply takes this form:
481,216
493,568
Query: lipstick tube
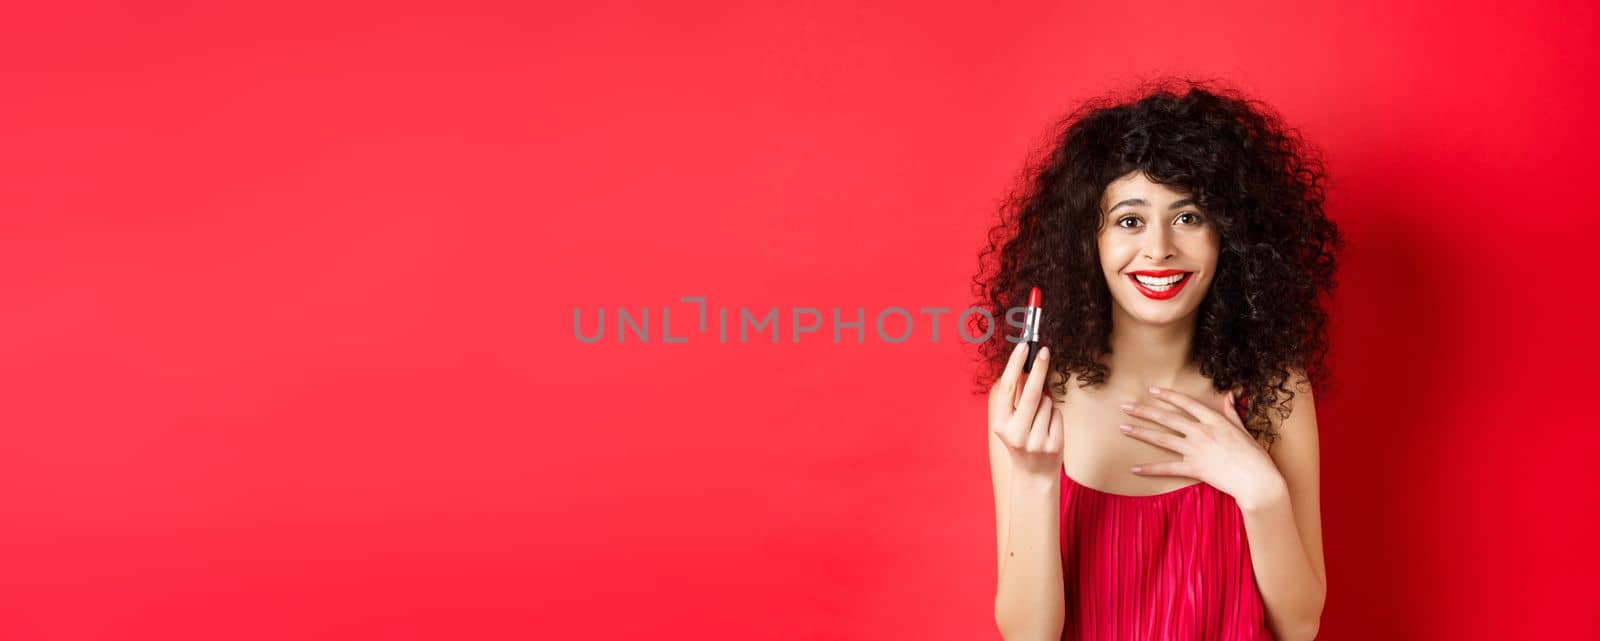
1030,331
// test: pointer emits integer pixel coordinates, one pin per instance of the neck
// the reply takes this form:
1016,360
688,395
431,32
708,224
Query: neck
1143,354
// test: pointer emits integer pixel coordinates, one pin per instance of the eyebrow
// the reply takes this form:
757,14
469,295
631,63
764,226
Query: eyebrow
1134,202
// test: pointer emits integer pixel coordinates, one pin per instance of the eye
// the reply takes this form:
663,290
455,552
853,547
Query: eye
1126,219
1190,214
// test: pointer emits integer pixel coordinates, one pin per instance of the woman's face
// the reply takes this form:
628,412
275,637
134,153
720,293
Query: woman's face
1151,237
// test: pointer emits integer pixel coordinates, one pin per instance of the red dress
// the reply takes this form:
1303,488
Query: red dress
1173,566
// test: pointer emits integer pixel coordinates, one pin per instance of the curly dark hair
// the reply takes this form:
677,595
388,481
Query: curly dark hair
1262,325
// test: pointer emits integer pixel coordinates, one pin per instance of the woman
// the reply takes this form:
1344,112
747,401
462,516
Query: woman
1164,484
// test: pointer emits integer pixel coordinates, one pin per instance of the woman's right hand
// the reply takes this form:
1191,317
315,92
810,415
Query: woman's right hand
1028,425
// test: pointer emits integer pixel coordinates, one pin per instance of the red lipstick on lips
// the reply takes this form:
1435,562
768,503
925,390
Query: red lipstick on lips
1030,332
1158,273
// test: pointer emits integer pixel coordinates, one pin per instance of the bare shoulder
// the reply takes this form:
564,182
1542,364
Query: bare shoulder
1302,404
1296,448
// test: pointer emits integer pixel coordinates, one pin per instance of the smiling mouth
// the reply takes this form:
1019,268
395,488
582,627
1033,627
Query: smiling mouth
1160,288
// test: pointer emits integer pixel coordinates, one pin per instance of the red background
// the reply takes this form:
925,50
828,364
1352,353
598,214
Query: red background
288,346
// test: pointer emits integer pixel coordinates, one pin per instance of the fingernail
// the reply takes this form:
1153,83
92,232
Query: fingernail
1155,390
1137,469
1043,352
1125,428
1127,408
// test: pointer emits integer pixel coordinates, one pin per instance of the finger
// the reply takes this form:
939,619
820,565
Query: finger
1035,383
1197,410
1013,375
1020,421
1058,432
1174,420
1040,431
1166,468
1157,438
1232,412
1013,371
1004,395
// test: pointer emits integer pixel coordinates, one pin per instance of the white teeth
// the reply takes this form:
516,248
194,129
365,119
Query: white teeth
1154,282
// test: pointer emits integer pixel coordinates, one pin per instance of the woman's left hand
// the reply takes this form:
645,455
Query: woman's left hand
1216,448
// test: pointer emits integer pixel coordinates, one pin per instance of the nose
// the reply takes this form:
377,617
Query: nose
1158,244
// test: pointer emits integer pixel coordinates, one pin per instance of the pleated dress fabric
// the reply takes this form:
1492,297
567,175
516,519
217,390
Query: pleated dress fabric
1173,566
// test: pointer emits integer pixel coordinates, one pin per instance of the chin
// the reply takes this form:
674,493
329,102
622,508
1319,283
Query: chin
1164,317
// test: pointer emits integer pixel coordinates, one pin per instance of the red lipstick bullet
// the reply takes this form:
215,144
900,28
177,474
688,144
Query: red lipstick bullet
1030,332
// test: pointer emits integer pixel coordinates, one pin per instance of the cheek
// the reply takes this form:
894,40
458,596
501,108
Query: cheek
1113,255
1205,249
